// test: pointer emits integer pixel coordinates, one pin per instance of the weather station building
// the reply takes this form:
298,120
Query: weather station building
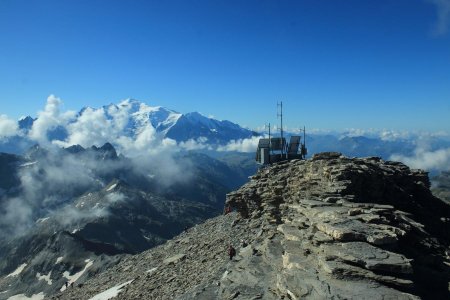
274,149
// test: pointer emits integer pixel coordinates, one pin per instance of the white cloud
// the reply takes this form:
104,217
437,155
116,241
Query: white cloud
99,126
393,135
443,16
49,119
120,115
426,160
17,215
8,127
195,144
242,145
115,197
91,128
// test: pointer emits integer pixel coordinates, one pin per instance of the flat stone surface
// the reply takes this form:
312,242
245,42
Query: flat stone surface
174,259
369,257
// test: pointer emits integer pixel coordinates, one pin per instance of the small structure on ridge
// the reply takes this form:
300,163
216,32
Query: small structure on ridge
275,149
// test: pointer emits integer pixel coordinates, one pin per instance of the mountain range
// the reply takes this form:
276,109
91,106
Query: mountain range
130,119
132,126
81,192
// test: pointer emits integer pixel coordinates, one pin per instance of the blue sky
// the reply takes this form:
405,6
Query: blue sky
334,64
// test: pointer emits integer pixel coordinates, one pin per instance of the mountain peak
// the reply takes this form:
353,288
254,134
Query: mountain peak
75,149
25,123
107,151
107,147
134,104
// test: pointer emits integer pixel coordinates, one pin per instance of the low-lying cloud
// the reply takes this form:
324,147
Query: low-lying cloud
46,185
48,119
8,127
242,145
426,160
99,126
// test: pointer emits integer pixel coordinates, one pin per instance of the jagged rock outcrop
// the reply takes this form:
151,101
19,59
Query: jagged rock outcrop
326,228
361,228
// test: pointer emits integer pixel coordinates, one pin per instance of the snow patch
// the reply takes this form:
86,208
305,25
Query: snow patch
39,296
17,271
45,277
28,164
80,204
146,237
42,220
58,260
74,277
110,293
111,187
75,230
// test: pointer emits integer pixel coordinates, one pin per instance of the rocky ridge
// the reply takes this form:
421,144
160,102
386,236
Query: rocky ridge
330,227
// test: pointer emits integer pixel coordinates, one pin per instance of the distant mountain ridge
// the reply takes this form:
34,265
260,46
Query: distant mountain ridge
133,126
138,116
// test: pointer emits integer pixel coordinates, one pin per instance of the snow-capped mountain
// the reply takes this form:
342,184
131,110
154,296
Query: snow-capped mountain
177,126
140,115
130,119
194,125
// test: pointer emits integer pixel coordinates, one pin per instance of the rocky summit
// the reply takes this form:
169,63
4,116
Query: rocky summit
330,227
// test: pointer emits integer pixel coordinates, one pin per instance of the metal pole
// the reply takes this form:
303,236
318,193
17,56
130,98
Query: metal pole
281,127
304,140
282,141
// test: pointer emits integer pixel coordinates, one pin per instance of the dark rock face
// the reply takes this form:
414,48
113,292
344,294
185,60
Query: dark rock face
326,228
8,171
441,186
26,123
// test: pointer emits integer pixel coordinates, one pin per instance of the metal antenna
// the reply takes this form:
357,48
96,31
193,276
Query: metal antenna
280,114
270,141
304,140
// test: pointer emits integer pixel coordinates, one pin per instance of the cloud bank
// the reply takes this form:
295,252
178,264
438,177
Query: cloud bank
113,124
426,160
242,145
49,119
8,127
97,127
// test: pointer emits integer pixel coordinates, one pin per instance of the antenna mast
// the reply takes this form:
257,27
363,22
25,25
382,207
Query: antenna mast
304,142
280,115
